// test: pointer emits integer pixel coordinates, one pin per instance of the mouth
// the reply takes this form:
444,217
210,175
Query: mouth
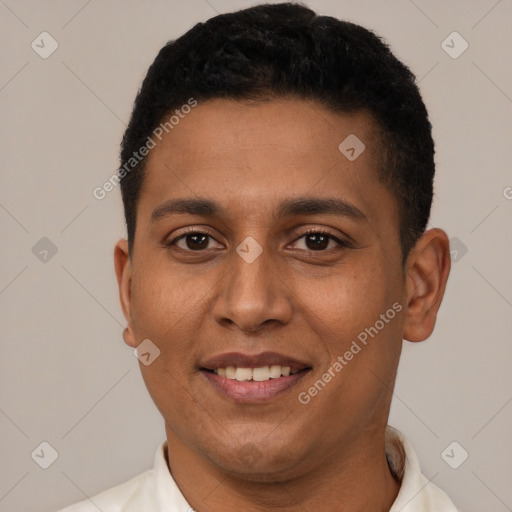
253,379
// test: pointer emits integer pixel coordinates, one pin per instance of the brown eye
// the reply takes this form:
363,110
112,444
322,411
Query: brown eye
319,240
193,241
196,241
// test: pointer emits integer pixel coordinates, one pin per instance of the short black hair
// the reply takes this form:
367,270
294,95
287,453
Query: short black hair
287,50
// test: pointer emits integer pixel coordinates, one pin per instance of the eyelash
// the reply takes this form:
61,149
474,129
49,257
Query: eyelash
310,231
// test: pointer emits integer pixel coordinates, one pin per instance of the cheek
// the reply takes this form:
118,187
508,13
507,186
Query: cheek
358,328
177,403
166,310
160,298
162,308
357,318
341,306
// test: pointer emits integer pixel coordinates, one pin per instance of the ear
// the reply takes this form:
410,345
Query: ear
428,267
123,266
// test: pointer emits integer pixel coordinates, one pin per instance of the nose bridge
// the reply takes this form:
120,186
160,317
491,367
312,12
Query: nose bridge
251,291
251,276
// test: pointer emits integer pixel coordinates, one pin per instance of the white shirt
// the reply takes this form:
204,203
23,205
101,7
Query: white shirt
156,491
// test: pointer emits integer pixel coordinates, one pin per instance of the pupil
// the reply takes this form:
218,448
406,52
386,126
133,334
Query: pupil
319,241
194,245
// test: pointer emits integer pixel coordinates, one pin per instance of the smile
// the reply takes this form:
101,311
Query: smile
260,374
253,379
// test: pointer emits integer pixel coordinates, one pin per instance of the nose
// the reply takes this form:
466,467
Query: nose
253,294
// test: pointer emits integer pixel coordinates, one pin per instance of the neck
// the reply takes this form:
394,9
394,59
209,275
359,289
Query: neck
356,478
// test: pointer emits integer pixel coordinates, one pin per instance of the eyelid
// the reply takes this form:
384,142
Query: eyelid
340,241
189,231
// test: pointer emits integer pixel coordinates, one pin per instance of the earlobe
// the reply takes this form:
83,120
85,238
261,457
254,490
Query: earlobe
129,337
123,267
428,267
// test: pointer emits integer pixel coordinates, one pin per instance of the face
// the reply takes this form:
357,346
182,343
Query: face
282,255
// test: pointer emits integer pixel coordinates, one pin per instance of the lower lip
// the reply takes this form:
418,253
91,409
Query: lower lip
250,391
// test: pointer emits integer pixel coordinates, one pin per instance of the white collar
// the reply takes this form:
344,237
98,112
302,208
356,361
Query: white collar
155,490
417,493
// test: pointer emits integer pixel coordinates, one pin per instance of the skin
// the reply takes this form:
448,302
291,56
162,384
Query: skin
292,299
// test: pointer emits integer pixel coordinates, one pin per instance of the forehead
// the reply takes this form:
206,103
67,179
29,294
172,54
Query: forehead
289,128
251,155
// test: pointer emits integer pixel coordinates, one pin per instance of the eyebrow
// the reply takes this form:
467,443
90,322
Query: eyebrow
288,208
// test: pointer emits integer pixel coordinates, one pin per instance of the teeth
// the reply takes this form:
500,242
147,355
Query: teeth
243,374
261,374
275,371
256,374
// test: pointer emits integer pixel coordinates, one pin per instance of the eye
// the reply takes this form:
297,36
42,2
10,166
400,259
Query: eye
316,240
319,240
192,240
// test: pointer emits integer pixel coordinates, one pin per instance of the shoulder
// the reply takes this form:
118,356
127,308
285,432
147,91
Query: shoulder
120,498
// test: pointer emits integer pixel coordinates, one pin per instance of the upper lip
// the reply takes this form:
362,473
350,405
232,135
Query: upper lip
241,360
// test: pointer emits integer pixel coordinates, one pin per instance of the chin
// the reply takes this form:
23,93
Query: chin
258,462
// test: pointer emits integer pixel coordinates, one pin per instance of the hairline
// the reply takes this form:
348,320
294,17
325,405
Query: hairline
384,139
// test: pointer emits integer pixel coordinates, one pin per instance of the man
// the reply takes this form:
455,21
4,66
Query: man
277,181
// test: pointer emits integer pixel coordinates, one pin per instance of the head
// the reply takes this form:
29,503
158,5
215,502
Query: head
264,101
287,51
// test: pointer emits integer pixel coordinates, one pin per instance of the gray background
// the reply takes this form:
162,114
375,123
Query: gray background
66,376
